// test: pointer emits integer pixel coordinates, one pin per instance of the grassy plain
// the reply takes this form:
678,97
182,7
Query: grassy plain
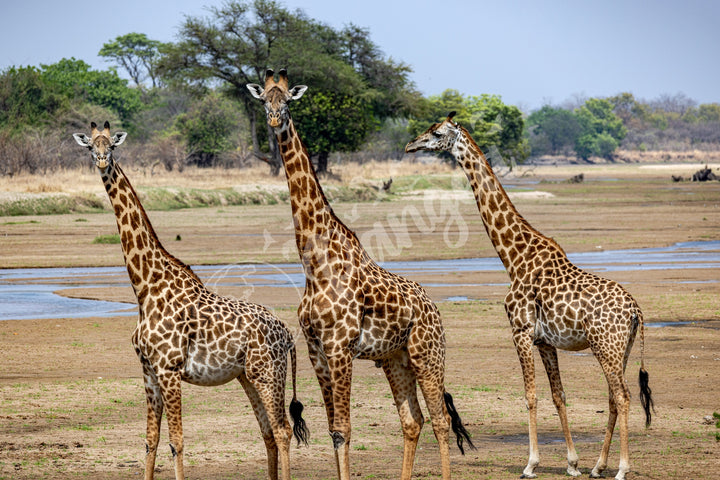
71,397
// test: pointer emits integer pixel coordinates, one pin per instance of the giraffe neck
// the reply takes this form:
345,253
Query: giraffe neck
149,265
509,232
313,217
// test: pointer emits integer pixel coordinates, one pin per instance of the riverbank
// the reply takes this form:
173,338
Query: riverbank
427,217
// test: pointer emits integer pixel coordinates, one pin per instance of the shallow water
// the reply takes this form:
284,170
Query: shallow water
29,292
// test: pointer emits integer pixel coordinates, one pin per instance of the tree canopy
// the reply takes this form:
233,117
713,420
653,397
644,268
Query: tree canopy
240,40
554,130
39,96
601,129
208,128
137,54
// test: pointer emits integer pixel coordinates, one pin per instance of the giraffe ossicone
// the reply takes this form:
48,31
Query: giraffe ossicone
353,308
186,332
551,303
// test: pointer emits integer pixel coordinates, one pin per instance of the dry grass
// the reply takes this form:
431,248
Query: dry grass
86,180
692,156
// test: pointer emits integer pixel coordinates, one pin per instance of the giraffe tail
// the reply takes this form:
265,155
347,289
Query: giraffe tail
646,399
457,426
300,430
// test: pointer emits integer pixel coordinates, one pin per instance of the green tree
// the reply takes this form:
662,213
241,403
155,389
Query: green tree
37,97
602,130
704,113
28,99
137,54
552,130
209,128
330,123
632,112
236,44
600,145
75,80
495,127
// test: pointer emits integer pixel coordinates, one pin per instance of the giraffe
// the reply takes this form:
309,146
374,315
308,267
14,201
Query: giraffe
185,332
353,308
551,303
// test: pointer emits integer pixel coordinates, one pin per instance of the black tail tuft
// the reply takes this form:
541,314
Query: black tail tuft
646,397
300,430
460,432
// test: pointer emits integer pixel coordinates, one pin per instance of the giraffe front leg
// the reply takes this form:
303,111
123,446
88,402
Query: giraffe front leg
319,363
523,344
154,401
171,388
548,353
340,367
322,372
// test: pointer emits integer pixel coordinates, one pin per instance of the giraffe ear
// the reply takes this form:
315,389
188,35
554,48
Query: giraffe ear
82,140
255,90
117,139
297,91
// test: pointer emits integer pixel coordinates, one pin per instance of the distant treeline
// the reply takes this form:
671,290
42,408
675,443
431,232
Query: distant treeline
599,126
187,102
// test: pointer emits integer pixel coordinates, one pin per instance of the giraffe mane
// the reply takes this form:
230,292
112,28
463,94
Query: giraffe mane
151,231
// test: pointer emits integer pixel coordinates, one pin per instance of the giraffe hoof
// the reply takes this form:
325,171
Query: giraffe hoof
528,475
573,472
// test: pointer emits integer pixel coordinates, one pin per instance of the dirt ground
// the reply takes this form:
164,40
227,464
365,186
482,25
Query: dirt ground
72,403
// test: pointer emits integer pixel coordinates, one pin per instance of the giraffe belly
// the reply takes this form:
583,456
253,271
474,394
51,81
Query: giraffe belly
209,369
565,335
380,338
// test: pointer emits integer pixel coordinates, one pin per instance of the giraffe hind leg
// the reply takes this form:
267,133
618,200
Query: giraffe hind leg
548,353
340,367
620,395
404,388
154,416
433,391
601,464
523,344
261,414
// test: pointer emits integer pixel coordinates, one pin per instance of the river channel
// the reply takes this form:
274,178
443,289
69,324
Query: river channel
31,293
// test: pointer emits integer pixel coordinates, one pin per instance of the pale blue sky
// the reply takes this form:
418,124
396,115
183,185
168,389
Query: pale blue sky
528,52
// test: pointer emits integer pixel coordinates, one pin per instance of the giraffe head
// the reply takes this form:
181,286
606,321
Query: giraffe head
100,144
276,96
440,136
